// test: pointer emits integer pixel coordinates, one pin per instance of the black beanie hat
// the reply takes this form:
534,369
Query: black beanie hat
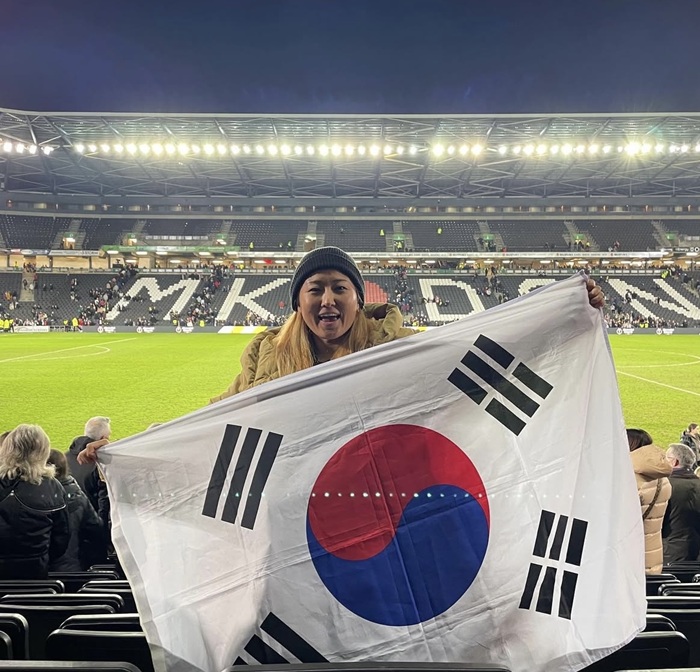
321,259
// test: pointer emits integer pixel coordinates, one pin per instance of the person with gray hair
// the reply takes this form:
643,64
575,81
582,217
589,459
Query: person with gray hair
33,517
681,527
86,475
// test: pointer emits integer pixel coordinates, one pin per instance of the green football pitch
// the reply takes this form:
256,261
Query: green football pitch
60,380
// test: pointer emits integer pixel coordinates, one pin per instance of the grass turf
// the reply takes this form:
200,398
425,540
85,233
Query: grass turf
60,380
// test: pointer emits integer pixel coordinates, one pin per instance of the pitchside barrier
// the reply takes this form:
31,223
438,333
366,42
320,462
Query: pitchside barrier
169,329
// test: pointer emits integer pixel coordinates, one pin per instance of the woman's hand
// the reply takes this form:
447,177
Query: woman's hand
88,455
595,294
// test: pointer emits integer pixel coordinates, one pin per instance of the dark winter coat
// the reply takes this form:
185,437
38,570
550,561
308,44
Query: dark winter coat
681,527
88,478
88,541
33,527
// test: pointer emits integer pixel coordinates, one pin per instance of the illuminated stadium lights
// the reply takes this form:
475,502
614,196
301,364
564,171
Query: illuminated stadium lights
235,149
607,149
413,150
80,147
298,150
684,148
541,150
157,148
646,148
286,150
32,149
476,150
47,149
221,149
310,150
144,148
567,149
19,148
673,149
349,150
170,149
361,150
451,150
195,149
517,149
632,148
92,148
554,149
593,149
659,148
438,150
502,150
323,150
463,149
208,149
374,150
336,150
246,149
529,150
131,148
580,149
119,149
388,149
272,150
259,149
697,148
183,149
399,150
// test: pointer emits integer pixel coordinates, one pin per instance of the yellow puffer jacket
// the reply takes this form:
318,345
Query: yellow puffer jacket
259,359
650,468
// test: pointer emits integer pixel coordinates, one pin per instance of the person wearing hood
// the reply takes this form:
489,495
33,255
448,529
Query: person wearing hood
87,544
651,470
330,320
86,475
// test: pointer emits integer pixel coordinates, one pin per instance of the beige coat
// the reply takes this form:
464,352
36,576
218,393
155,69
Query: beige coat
650,467
259,359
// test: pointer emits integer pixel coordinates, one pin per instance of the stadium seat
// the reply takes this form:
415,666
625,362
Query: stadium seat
678,589
45,619
371,667
76,599
11,587
17,629
65,666
105,622
656,623
108,567
683,571
73,581
99,645
655,580
648,650
686,620
121,588
5,646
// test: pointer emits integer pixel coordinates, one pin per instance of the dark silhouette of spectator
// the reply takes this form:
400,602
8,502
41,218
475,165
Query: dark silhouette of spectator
681,528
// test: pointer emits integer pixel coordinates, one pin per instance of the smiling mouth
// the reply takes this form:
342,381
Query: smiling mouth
328,318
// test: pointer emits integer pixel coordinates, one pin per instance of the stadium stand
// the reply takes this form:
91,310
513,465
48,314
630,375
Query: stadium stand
356,236
265,235
29,232
105,232
632,235
455,236
684,227
530,235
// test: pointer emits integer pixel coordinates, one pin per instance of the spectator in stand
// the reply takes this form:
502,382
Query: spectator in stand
88,542
87,476
33,516
650,471
681,527
691,438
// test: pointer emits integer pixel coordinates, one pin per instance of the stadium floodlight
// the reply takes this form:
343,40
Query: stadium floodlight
607,149
208,149
259,149
92,147
697,147
336,150
529,150
374,150
221,149
131,148
183,148
19,148
47,149
119,149
286,150
593,149
104,148
310,150
170,148
32,149
517,149
463,149
451,150
541,150
554,149
476,150
645,148
272,150
632,148
413,150
144,148
112,252
361,150
503,150
235,149
438,150
388,149
246,149
580,149
323,150
196,149
80,147
399,150
566,149
684,148
298,150
349,150
157,148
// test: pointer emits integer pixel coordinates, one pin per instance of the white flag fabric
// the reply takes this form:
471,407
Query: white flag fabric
462,495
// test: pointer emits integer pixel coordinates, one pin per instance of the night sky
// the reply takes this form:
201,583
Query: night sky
354,56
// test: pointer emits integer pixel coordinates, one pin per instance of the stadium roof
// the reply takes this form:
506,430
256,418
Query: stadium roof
456,158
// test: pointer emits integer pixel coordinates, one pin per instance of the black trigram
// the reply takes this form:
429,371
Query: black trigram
286,638
247,455
564,568
495,380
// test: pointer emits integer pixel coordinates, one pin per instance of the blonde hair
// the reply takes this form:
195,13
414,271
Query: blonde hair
294,344
23,455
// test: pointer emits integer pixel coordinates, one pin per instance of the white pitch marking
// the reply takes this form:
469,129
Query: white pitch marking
53,352
104,349
656,382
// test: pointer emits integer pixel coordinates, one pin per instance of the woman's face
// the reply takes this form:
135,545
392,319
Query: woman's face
328,304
